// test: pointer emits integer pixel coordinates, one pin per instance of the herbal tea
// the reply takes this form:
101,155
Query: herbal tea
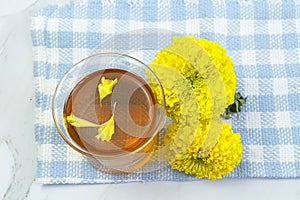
110,112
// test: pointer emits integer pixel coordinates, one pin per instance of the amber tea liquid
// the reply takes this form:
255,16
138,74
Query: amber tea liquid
134,113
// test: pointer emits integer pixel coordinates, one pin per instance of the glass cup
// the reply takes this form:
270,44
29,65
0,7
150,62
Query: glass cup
136,108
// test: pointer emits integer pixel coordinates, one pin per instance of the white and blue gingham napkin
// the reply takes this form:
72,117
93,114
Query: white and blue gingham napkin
261,37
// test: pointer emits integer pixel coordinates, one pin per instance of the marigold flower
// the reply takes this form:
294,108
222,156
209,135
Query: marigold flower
184,152
221,160
224,65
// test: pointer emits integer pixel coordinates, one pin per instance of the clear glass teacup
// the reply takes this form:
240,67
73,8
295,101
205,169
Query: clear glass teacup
104,107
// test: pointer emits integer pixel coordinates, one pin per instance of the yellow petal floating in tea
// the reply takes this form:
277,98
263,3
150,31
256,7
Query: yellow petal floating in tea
107,129
105,87
78,122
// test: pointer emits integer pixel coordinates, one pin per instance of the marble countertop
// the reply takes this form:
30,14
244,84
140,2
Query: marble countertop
18,150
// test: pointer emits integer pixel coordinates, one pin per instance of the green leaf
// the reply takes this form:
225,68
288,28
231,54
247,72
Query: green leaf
227,117
236,107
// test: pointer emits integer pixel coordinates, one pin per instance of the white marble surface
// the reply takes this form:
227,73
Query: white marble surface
18,149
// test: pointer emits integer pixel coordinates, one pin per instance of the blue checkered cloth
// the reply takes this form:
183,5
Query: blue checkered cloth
262,39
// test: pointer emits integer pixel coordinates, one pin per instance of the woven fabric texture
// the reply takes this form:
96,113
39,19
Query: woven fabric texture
262,39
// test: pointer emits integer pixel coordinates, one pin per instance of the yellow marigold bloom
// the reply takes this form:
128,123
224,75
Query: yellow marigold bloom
184,148
222,62
224,65
224,156
194,144
172,102
199,86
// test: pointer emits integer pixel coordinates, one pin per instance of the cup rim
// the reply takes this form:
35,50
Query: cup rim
85,152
